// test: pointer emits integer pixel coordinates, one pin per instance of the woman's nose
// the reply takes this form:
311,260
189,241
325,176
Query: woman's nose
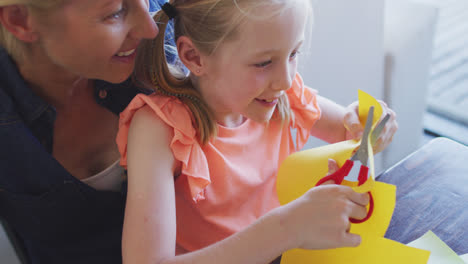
144,26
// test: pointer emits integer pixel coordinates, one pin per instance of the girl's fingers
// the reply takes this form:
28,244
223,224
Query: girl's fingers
361,199
351,240
328,182
332,166
358,212
351,122
389,130
354,128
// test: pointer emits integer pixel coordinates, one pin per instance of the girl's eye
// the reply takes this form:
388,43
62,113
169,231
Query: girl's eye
294,54
118,14
263,64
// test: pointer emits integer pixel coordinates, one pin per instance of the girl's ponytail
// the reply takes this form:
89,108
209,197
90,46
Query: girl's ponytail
153,72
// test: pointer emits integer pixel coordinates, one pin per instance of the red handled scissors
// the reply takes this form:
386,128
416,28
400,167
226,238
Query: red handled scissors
362,155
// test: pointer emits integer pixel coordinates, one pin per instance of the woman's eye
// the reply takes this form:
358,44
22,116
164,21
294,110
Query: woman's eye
118,14
263,64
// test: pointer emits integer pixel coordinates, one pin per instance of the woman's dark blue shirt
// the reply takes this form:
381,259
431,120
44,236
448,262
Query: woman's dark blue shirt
54,217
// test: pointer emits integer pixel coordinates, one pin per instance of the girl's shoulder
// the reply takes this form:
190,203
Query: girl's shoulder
305,109
302,97
299,89
171,122
155,112
170,110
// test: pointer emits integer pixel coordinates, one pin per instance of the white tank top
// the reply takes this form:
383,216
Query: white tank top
109,179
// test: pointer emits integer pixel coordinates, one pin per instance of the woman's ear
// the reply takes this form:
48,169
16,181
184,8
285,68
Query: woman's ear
17,20
190,55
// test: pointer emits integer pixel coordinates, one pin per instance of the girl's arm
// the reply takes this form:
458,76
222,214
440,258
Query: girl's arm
318,219
149,229
330,126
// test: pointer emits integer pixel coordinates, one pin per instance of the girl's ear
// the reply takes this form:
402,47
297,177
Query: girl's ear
17,21
190,55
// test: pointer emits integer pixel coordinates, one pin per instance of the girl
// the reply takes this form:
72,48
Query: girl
202,152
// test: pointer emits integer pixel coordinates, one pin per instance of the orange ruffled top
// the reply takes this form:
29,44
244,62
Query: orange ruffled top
231,181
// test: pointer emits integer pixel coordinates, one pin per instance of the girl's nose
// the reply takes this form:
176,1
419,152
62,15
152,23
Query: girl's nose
284,80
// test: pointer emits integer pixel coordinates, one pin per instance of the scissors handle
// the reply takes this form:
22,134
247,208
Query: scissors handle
338,175
362,178
363,174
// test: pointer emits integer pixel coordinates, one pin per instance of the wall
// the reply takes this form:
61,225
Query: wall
346,51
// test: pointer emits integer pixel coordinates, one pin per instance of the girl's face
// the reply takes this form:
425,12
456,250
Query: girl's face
245,77
94,39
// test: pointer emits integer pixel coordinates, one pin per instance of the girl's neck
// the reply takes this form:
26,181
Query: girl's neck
52,83
231,121
225,119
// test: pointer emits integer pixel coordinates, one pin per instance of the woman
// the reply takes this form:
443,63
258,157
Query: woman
60,182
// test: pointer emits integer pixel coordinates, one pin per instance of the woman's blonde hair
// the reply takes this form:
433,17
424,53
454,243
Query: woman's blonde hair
12,45
208,23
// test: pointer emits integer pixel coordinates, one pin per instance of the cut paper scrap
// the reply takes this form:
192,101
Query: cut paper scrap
440,252
365,102
302,170
464,258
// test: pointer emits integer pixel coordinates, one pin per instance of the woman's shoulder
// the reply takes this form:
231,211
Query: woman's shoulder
6,100
17,101
116,96
8,110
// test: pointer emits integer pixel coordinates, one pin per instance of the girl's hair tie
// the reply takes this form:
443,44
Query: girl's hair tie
170,10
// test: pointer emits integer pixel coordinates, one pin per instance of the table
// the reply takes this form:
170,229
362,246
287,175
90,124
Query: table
432,194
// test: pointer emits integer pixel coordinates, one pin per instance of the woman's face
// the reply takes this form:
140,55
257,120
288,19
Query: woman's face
95,39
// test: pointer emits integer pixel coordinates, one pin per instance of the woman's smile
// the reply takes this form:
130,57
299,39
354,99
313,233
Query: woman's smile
127,56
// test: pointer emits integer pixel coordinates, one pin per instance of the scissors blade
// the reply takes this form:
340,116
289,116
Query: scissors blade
362,154
378,129
368,127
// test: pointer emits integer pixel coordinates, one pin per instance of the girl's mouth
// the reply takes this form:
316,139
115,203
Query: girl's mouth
268,102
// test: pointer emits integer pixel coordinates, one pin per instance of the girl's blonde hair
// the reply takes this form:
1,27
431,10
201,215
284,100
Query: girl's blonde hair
12,45
208,23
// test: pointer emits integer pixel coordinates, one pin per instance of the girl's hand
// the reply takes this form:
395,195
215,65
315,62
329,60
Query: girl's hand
354,129
319,219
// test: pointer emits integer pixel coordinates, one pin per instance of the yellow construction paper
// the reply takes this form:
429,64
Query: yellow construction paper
372,250
365,102
302,170
309,166
384,204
